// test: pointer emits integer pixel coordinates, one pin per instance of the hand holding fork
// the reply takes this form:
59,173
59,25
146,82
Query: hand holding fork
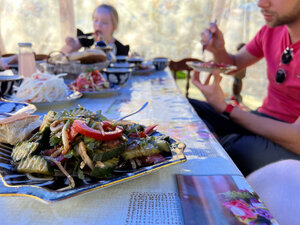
209,37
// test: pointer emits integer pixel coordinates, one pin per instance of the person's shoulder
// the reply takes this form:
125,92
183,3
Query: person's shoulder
121,49
118,43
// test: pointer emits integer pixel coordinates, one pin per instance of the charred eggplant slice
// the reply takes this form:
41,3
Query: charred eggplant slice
109,150
35,164
104,169
24,149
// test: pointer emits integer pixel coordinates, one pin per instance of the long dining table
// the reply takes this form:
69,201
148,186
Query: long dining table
150,199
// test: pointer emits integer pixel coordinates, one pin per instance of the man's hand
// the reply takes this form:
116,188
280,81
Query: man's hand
212,92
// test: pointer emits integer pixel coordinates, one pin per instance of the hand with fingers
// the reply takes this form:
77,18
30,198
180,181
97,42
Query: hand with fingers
212,39
71,45
211,90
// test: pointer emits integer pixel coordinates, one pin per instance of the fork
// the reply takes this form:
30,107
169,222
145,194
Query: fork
208,40
140,109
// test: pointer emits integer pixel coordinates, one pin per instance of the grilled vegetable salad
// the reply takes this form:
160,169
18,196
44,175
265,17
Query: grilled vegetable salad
90,81
80,143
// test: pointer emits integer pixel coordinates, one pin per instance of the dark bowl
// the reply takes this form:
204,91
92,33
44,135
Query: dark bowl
160,63
135,60
121,58
7,83
117,76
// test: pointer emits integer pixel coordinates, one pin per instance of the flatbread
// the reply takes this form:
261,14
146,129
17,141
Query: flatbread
88,56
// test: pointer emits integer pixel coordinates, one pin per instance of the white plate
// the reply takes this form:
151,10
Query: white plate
8,108
71,97
102,93
9,77
198,67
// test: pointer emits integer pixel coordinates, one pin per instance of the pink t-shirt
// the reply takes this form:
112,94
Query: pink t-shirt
282,100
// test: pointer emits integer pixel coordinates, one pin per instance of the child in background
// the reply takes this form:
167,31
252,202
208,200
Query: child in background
105,22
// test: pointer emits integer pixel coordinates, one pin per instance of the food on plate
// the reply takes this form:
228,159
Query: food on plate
212,64
143,67
86,145
89,81
87,56
41,87
17,127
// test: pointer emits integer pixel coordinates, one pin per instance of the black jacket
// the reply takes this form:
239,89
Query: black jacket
87,40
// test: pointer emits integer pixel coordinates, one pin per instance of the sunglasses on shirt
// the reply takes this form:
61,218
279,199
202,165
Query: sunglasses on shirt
286,58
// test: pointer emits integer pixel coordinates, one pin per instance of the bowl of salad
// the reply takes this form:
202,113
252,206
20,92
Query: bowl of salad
90,81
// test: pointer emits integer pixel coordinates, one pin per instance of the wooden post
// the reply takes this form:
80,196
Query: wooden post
67,19
2,48
218,9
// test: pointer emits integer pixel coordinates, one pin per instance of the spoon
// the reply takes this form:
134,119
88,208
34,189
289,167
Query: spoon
140,109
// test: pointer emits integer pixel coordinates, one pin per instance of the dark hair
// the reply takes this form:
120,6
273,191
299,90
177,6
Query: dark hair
112,11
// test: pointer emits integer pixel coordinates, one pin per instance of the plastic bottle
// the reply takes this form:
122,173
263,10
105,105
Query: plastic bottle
26,60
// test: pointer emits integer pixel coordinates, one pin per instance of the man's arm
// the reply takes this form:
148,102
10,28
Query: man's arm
242,59
285,134
217,47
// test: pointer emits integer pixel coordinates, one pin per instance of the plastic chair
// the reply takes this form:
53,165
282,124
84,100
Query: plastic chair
181,65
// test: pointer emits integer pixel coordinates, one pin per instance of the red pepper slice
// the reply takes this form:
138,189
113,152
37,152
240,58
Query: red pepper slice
142,134
72,133
148,130
108,126
85,130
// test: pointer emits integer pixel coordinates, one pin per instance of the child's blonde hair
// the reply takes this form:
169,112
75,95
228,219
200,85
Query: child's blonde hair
112,11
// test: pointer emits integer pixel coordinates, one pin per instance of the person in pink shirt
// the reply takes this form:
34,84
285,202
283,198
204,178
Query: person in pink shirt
254,139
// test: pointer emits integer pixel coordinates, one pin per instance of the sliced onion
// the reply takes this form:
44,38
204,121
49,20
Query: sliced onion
62,169
138,162
133,165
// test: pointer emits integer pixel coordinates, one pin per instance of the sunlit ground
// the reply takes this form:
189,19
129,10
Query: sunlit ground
248,100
